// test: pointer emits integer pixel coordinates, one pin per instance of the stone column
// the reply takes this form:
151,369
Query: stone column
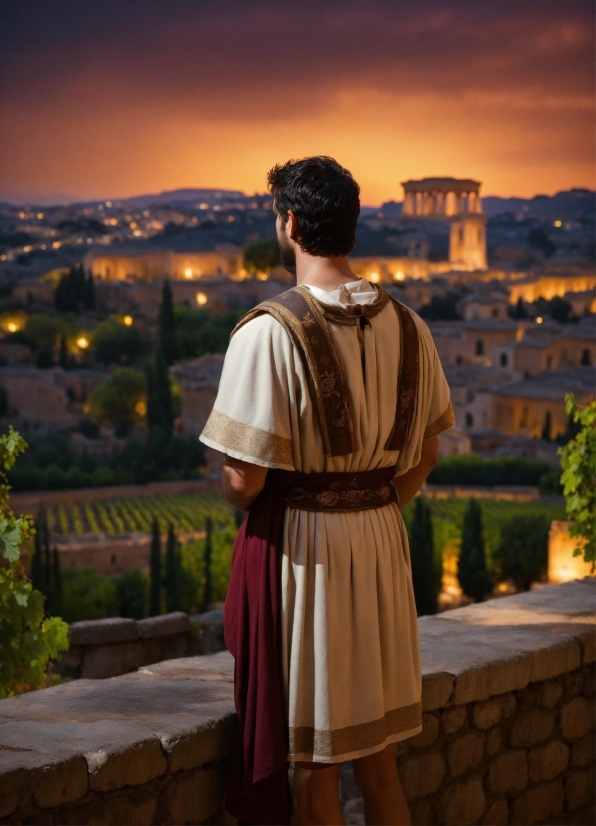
408,205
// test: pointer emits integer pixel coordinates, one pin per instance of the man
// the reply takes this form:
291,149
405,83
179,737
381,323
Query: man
329,408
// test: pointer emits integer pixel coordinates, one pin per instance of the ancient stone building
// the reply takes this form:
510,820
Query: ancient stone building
459,201
156,264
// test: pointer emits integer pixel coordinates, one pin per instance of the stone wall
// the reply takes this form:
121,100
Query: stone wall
508,729
105,648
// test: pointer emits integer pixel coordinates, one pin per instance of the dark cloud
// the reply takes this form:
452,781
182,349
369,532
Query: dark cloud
261,58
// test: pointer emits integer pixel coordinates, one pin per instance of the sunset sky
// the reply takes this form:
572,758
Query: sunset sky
123,97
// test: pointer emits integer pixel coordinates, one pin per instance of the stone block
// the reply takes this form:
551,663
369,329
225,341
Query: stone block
164,626
210,739
463,804
103,631
421,813
577,718
103,661
61,782
487,714
579,790
511,674
550,694
547,762
589,686
508,705
583,752
494,741
422,775
133,807
191,797
453,719
471,685
92,812
508,773
209,667
464,753
436,690
208,628
125,764
573,683
588,643
497,814
538,805
531,727
429,733
557,659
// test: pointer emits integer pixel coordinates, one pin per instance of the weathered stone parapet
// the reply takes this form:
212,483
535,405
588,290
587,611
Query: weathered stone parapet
507,736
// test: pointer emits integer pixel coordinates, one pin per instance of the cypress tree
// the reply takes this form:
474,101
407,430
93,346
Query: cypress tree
159,395
89,292
167,325
546,427
63,353
57,581
36,571
155,570
471,569
172,573
207,554
422,556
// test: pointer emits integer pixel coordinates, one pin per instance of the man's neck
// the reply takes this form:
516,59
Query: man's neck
326,273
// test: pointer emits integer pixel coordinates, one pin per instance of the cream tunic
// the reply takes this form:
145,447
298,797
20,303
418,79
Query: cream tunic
350,645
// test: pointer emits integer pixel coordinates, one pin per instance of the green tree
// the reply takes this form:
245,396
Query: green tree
28,639
71,291
424,578
208,554
172,571
114,342
262,255
89,292
87,594
166,325
63,359
155,571
578,462
523,549
520,309
159,395
471,569
546,427
131,593
120,400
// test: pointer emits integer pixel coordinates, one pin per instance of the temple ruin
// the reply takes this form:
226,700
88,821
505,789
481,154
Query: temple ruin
456,200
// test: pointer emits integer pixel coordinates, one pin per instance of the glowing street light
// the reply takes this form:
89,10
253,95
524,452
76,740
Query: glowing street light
127,320
12,327
374,277
82,343
201,299
558,223
399,276
188,272
539,320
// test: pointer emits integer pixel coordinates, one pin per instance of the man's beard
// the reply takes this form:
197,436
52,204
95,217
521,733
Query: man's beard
286,254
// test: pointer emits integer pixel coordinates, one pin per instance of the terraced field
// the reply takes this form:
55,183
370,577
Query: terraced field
186,512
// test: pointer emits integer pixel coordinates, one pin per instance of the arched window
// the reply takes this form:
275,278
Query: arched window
503,359
469,420
479,347
586,358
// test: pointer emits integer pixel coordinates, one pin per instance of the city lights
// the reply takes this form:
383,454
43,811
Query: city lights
127,320
40,215
374,277
82,343
12,327
188,272
56,245
201,299
399,276
558,223
539,320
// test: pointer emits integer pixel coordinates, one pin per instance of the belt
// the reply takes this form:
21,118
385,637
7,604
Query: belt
359,490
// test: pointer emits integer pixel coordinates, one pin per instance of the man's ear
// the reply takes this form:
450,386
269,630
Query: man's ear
293,228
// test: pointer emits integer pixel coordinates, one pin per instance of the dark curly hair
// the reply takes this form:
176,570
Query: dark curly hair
325,199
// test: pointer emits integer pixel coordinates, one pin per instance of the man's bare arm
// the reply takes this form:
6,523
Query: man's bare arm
410,483
242,482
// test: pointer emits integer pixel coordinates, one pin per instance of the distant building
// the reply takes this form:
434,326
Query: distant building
156,264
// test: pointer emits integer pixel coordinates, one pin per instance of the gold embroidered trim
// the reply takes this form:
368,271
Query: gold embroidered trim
248,440
444,422
308,740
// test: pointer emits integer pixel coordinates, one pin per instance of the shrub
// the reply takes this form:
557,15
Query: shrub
474,470
132,589
578,460
524,549
86,594
114,342
28,639
120,400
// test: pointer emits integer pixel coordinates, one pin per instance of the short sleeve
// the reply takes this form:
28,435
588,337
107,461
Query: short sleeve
440,416
250,419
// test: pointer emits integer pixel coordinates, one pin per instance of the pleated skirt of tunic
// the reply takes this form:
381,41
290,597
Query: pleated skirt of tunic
350,633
